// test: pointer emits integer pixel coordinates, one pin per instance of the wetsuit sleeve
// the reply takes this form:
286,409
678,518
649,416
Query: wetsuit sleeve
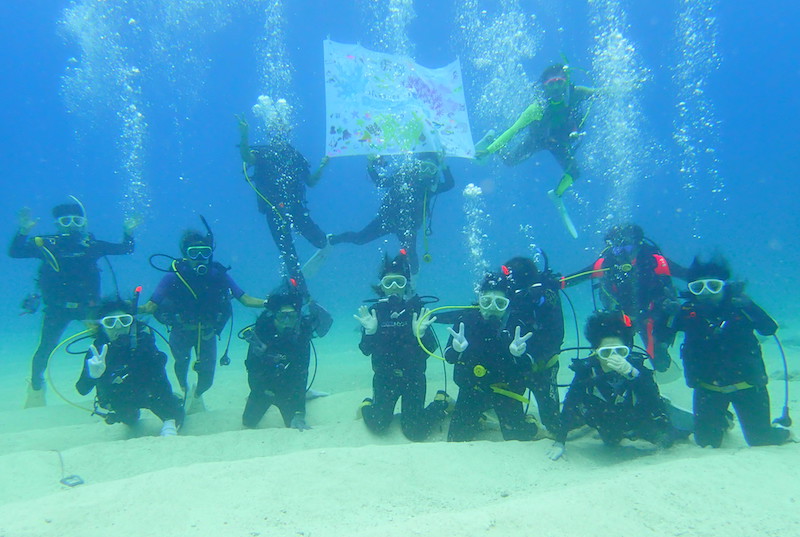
22,247
677,270
551,318
112,248
762,322
236,291
163,287
571,417
533,113
581,93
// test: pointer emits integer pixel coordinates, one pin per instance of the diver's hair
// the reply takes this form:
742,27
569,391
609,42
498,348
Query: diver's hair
603,324
714,267
286,294
553,70
493,281
625,234
111,304
192,237
522,272
67,209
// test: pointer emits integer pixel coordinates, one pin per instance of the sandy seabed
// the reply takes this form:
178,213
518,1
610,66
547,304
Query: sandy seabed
216,479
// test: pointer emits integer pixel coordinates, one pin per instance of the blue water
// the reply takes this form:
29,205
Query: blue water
190,162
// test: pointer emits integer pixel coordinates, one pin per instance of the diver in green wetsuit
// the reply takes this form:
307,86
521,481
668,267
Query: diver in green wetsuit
553,124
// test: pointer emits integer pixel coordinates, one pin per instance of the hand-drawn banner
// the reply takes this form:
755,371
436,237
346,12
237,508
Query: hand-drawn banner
386,104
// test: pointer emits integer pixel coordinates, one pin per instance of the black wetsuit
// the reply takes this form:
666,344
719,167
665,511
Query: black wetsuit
134,378
539,311
195,318
407,201
277,369
487,363
723,364
618,407
398,364
642,289
69,279
281,174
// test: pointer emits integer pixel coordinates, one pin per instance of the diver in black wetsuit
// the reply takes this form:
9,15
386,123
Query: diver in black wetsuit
491,364
127,371
410,184
722,356
69,277
632,276
280,176
390,328
613,391
278,358
536,307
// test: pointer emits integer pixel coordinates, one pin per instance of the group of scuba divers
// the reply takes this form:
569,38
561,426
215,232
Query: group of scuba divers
507,343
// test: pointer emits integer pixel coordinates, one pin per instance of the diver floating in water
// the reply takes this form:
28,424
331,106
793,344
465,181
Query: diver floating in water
280,175
411,184
69,278
554,124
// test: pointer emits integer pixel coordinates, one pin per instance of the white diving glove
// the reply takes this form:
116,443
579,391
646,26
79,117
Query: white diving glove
621,366
518,346
460,342
420,328
96,365
368,319
556,451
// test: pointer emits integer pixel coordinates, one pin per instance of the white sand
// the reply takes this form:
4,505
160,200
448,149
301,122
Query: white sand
216,479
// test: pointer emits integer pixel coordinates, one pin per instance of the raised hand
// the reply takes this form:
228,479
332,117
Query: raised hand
460,342
96,365
368,319
518,345
421,327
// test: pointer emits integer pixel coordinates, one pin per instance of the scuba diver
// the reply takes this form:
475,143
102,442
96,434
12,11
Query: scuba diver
722,356
389,335
633,276
613,391
69,278
278,357
411,184
554,123
491,364
536,307
127,371
194,301
280,176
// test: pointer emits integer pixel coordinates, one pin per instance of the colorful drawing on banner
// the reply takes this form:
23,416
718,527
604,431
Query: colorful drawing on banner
380,103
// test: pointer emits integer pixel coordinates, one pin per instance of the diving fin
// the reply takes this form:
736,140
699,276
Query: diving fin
558,201
483,144
315,262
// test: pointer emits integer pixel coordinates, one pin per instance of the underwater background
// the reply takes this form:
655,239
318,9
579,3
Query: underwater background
129,105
